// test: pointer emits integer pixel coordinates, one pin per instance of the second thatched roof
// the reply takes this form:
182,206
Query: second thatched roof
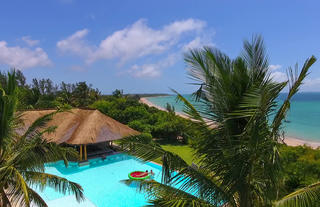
80,126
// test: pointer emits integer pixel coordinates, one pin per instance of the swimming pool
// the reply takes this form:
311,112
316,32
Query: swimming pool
101,182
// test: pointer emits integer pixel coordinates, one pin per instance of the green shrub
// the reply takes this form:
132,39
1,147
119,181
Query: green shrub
301,166
102,105
132,113
140,126
145,137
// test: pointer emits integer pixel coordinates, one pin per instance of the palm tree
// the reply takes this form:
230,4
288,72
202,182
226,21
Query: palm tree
237,149
22,157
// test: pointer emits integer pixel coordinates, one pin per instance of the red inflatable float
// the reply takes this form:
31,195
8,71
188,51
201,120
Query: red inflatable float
138,175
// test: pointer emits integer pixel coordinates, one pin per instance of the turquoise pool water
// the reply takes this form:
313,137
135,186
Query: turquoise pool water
101,182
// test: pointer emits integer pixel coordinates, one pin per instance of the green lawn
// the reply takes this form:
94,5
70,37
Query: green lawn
183,151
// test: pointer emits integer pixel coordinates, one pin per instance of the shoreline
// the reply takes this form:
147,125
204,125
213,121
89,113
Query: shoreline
294,141
289,140
150,104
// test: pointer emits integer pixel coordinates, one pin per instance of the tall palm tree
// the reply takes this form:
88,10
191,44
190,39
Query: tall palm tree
22,157
237,149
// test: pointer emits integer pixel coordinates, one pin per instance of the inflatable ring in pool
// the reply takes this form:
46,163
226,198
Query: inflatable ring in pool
138,175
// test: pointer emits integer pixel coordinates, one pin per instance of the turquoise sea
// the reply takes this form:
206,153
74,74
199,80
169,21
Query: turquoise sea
303,117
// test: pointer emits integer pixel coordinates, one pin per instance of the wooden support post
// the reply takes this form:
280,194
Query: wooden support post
80,152
85,152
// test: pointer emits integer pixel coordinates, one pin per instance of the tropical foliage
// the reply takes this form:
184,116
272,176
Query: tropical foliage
300,177
22,156
44,94
160,124
238,147
301,167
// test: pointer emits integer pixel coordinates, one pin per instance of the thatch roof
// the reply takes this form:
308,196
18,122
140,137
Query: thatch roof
80,126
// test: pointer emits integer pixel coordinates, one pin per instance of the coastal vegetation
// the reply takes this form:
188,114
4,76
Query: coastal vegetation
22,156
240,161
149,120
301,167
44,94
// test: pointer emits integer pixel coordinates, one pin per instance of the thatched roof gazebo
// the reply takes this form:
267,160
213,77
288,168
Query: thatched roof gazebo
80,127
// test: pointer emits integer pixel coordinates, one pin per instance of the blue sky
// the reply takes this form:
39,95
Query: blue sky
138,45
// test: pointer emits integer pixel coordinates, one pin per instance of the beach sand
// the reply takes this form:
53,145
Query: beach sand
149,103
291,141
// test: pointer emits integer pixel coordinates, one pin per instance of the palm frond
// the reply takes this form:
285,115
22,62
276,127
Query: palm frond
17,188
305,197
38,124
4,200
36,199
256,58
60,184
8,102
203,184
37,151
165,195
190,109
295,82
171,162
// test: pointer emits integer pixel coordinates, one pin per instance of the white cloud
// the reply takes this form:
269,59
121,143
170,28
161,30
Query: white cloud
279,76
22,57
29,41
274,67
134,41
146,70
153,70
76,44
198,42
194,44
311,85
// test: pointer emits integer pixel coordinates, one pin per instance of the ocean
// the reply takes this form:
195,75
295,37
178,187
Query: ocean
303,117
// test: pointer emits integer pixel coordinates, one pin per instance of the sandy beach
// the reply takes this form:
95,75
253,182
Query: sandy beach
291,141
149,103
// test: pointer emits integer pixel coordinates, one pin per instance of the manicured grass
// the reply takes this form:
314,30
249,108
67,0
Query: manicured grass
184,151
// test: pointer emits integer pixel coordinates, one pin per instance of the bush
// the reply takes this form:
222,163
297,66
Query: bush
140,126
145,137
102,105
132,113
301,166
